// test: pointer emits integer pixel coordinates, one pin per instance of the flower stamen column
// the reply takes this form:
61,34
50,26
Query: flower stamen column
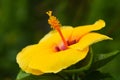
55,24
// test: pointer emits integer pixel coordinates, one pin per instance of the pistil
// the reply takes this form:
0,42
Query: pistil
55,24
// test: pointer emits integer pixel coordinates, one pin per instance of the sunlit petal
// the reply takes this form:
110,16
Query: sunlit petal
50,62
82,30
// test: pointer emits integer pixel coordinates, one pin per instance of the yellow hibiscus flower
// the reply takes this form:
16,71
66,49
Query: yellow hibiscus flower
60,48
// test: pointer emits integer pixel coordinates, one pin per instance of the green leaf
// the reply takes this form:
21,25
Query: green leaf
21,75
82,65
25,76
102,59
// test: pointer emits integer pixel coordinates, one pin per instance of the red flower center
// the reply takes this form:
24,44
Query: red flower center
62,47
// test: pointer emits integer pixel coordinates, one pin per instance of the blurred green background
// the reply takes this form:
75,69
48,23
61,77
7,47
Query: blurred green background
24,22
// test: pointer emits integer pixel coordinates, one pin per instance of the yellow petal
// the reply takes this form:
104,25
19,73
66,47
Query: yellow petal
89,39
24,58
50,62
82,30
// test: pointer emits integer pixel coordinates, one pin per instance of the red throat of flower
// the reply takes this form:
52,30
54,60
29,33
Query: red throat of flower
55,24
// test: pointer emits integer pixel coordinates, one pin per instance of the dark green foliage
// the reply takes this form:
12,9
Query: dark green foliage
97,75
